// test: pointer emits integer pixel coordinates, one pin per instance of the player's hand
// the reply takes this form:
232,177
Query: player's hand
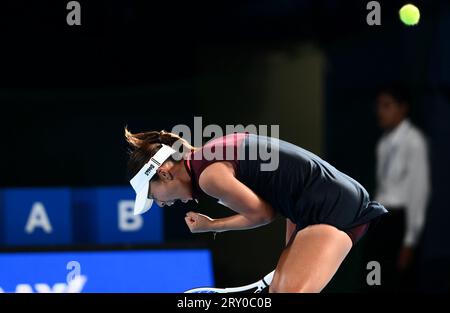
198,223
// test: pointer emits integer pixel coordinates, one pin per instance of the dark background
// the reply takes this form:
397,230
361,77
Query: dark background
67,92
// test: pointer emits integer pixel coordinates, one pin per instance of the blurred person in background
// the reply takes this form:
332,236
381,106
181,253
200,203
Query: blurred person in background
402,186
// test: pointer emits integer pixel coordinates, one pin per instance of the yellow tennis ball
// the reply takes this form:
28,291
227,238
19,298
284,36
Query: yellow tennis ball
409,14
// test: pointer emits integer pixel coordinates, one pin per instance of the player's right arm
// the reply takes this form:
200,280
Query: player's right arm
218,181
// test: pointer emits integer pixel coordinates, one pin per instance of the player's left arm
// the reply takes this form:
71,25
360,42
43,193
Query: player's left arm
218,181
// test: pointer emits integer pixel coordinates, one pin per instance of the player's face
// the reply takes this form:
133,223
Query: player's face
166,192
389,111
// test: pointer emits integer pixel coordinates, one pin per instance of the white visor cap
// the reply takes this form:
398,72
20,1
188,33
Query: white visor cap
140,182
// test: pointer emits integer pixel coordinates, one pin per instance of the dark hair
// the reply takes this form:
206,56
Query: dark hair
397,91
144,145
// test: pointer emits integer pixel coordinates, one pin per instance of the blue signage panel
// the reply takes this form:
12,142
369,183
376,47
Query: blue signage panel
105,216
139,271
36,216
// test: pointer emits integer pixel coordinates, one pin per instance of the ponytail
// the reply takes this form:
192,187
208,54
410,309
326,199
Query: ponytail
144,145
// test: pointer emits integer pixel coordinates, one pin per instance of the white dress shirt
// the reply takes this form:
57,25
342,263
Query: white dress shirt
403,175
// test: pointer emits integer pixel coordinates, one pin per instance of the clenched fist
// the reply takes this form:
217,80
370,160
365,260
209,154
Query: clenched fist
198,223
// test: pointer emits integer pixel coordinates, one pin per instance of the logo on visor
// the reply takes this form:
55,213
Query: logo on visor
147,172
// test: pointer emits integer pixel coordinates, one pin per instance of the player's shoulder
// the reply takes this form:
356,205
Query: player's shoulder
212,177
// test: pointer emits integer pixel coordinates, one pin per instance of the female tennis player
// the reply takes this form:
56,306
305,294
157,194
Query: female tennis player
326,211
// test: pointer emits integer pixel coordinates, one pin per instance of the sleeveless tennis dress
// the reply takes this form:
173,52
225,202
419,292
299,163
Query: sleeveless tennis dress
301,187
